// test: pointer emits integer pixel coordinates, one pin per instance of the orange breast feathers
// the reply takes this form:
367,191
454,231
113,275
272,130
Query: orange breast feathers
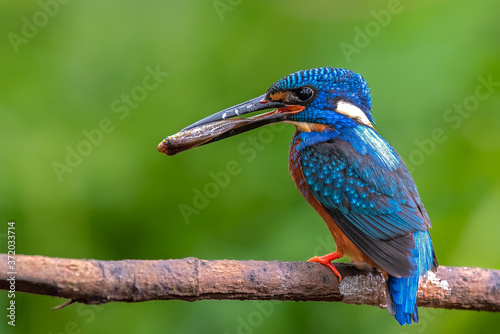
344,245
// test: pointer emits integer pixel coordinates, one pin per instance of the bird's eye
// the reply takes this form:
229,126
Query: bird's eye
305,93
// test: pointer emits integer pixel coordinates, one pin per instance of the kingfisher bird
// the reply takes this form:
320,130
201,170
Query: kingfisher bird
347,172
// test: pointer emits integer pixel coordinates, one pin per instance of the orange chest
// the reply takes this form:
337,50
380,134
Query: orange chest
344,244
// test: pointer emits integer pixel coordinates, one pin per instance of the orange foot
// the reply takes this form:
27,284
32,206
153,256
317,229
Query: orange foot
327,261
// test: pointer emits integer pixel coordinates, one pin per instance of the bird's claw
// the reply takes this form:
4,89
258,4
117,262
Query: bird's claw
327,263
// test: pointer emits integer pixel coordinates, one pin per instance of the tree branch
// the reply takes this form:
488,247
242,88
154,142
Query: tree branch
96,282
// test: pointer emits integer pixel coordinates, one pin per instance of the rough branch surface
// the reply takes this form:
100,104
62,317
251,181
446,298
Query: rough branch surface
96,282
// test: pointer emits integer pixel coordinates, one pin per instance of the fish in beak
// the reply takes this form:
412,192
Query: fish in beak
227,123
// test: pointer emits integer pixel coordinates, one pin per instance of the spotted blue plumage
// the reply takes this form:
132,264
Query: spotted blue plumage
363,184
350,175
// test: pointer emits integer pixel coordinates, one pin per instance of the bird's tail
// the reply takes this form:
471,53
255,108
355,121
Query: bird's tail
402,292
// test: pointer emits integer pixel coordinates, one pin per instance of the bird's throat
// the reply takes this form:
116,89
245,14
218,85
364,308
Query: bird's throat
310,127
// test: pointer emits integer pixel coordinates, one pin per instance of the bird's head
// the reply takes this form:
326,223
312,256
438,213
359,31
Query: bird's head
329,96
312,100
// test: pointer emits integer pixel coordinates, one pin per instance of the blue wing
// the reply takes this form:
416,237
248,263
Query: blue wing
371,196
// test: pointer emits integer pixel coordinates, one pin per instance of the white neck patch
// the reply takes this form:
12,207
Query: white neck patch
351,111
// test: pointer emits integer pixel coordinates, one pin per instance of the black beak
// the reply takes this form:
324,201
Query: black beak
250,106
226,123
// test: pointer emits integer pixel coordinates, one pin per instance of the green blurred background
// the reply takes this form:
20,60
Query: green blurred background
65,69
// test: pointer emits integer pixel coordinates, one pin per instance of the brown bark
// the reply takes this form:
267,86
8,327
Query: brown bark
95,282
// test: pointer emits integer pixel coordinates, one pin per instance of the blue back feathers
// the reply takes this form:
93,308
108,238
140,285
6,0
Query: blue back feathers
368,192
362,183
